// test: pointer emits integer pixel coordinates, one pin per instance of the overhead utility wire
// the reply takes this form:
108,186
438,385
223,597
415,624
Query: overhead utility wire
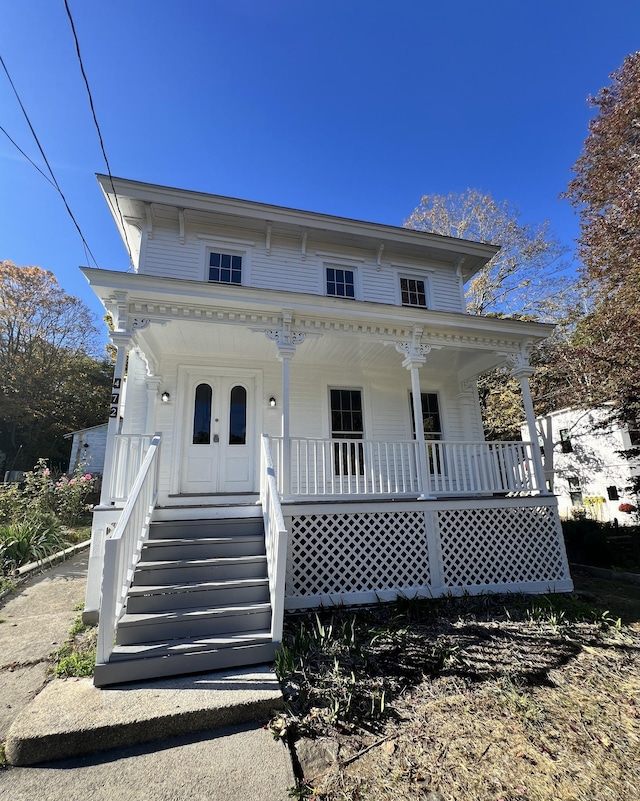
28,158
46,161
95,120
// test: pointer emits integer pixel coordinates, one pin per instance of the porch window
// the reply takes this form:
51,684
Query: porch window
431,420
341,282
238,416
431,425
225,268
612,494
347,422
413,292
202,415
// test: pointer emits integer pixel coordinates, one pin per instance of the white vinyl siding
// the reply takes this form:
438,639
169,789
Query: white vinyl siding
284,269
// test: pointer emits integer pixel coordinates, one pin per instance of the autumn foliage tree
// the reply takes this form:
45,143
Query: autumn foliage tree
51,381
605,347
518,279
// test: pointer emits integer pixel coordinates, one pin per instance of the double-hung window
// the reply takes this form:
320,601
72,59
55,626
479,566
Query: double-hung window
225,268
347,422
413,292
341,282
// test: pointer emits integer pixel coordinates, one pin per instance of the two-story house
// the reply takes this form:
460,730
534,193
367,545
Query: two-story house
585,465
301,427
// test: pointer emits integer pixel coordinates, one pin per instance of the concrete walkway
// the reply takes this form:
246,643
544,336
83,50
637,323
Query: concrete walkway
115,742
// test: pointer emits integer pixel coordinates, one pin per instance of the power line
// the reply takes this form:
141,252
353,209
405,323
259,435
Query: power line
30,160
46,161
95,120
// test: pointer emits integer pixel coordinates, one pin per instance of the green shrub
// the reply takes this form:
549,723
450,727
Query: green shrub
32,539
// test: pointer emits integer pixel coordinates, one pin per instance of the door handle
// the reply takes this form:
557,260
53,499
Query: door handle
216,438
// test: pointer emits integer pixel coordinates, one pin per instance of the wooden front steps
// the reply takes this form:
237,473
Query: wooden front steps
199,601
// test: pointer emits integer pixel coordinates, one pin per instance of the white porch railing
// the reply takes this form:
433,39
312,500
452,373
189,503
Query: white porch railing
123,546
128,454
275,539
330,467
480,467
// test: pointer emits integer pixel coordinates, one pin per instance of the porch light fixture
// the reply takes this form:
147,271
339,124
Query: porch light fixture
272,402
165,397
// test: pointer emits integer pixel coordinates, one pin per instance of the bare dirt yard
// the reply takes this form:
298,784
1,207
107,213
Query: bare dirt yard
487,698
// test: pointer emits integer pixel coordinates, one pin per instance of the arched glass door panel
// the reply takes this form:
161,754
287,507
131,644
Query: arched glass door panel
202,415
238,416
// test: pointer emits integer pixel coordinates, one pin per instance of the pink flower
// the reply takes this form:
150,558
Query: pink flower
73,481
87,477
47,472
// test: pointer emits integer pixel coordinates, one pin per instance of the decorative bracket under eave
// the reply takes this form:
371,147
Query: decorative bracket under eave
303,251
379,256
181,223
268,239
149,215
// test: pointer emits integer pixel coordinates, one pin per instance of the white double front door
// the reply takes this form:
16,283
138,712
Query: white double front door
218,450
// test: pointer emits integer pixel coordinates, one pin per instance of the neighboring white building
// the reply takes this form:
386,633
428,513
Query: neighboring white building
312,384
88,449
583,465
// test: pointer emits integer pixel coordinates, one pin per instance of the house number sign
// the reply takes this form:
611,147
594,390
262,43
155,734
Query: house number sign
115,398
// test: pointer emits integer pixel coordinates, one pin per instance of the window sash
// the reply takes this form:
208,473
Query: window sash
413,292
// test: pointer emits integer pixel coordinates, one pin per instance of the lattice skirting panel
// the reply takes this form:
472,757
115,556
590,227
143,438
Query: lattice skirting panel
510,547
355,557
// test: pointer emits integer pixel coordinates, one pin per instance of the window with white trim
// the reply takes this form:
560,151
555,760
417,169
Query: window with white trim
340,282
413,292
347,422
225,268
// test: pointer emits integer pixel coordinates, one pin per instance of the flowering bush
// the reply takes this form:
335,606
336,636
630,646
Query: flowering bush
41,495
626,507
71,494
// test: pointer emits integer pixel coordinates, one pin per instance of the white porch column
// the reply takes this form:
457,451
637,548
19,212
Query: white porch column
104,515
122,341
285,357
522,371
416,353
286,342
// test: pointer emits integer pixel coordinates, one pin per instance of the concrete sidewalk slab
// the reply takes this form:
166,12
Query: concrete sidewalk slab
240,763
34,621
71,717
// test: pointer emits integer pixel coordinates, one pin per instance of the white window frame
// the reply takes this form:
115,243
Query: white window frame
232,247
412,272
338,262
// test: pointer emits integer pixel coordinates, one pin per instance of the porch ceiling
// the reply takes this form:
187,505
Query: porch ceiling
205,342
212,321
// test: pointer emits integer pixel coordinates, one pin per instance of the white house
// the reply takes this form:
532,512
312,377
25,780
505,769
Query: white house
583,464
88,447
301,427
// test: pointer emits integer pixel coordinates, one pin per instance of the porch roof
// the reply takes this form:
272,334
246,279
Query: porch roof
338,330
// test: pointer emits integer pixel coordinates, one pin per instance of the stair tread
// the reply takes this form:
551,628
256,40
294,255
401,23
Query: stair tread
135,618
226,539
217,560
188,645
195,586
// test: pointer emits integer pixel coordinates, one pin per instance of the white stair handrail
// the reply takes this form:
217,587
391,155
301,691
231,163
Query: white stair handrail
122,549
275,535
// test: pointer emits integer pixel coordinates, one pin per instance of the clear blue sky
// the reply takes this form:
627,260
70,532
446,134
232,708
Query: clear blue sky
343,107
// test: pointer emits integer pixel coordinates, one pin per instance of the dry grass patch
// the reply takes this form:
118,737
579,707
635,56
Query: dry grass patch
490,699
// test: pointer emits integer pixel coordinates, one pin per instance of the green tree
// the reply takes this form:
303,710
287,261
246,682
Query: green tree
50,379
518,278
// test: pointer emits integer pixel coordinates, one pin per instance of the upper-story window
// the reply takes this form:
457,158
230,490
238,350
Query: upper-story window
413,292
341,282
225,268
